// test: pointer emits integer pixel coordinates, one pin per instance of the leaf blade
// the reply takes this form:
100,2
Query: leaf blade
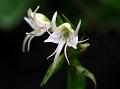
76,79
54,67
88,74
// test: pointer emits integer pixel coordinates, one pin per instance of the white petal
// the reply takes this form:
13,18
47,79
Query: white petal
29,41
25,41
54,37
52,54
29,22
29,37
83,40
30,13
66,53
77,28
73,41
59,49
41,21
53,25
36,9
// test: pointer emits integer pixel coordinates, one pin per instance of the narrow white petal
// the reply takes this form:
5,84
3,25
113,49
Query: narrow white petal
29,22
34,13
24,42
36,9
29,41
77,28
59,49
52,54
83,40
53,25
66,53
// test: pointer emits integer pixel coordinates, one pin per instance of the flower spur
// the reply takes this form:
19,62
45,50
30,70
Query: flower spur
39,23
64,36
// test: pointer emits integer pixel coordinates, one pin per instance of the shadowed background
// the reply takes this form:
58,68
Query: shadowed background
100,23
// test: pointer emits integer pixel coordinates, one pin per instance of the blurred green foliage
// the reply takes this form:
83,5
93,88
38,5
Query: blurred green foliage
11,12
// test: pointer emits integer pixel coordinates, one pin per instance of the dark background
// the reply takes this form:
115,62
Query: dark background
100,23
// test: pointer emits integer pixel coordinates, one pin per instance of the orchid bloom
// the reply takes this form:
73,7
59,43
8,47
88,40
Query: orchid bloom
64,36
39,23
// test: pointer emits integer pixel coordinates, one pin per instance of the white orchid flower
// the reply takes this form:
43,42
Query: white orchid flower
39,23
64,36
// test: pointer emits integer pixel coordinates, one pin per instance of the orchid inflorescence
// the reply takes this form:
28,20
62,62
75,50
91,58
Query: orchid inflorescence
63,35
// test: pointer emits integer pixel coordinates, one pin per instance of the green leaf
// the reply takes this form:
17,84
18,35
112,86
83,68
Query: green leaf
76,79
59,20
67,20
54,67
87,73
